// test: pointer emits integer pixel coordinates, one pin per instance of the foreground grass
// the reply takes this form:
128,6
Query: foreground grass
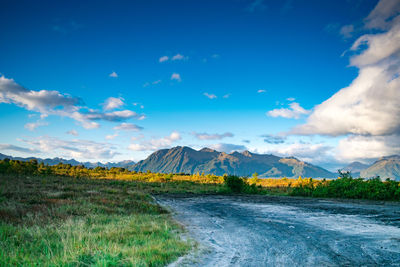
62,221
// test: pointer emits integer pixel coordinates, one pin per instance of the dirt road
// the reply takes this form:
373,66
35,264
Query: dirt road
286,231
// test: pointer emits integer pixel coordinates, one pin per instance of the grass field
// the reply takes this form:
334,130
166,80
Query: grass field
62,221
73,216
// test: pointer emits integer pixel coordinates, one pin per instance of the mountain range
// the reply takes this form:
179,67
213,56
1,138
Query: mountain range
128,164
384,167
187,160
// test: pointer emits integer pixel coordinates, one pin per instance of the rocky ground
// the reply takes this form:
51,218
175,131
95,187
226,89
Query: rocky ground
287,231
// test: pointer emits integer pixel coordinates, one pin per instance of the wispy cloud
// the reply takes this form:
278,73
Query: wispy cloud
228,148
260,91
111,136
55,103
113,103
152,83
273,139
128,127
207,136
370,104
138,105
9,147
347,31
176,57
78,149
113,74
309,152
155,144
179,57
163,59
31,126
72,132
295,111
176,77
210,96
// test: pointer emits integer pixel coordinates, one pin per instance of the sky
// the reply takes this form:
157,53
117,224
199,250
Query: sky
111,81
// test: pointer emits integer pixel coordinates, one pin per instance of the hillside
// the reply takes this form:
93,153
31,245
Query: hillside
187,160
355,168
385,167
54,161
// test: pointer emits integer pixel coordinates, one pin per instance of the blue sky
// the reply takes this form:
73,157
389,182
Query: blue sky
121,79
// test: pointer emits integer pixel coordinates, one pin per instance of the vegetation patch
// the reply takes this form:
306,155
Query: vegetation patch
67,215
348,187
54,221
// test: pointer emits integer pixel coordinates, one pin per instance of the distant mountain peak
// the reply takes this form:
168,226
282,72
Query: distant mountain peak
247,153
211,161
385,167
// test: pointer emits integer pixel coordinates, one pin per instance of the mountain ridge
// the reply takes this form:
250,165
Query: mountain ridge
187,160
128,164
384,167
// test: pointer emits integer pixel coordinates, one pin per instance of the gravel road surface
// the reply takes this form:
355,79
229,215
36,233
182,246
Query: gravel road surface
287,231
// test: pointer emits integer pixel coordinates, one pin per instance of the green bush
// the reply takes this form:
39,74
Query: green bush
349,187
237,184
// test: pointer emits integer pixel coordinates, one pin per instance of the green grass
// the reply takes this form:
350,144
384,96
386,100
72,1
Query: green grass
62,221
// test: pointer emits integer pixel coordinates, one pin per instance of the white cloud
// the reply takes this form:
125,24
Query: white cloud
207,136
384,15
163,59
370,104
367,112
179,57
347,31
228,148
113,103
128,127
176,76
72,132
111,136
260,91
113,74
58,104
33,125
227,96
210,96
9,147
273,139
362,148
290,99
136,138
316,153
156,144
114,116
78,149
42,101
295,111
138,147
146,84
